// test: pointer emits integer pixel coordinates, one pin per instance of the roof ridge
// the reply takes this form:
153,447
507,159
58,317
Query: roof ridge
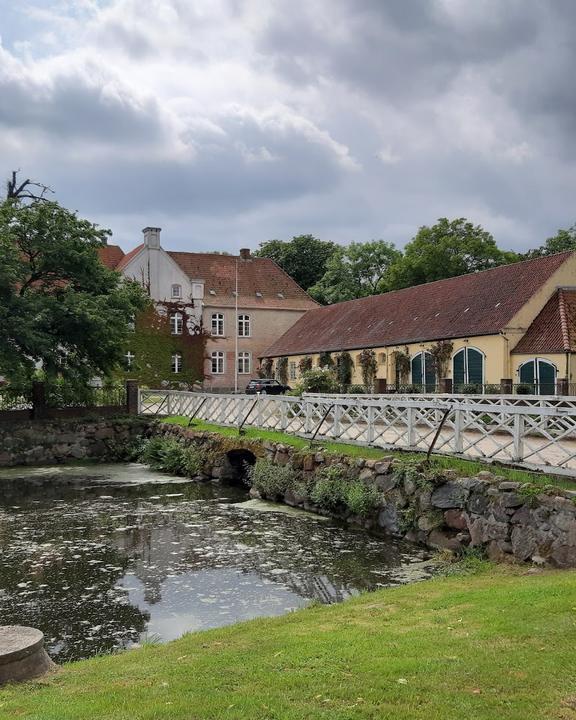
563,320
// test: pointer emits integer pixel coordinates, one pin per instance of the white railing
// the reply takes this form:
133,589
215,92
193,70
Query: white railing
532,435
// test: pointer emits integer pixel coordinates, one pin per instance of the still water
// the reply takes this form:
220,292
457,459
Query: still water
103,557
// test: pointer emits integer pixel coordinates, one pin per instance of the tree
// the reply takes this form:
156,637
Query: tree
358,270
562,241
16,190
304,257
60,307
447,249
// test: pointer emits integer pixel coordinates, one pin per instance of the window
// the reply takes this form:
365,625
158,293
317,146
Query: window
128,359
217,360
423,373
176,291
132,324
244,325
539,375
468,368
218,324
244,363
292,370
176,323
177,362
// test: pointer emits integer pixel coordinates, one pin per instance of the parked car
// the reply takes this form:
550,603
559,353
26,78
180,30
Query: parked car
266,386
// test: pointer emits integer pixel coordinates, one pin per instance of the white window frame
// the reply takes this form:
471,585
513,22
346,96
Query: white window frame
217,325
217,359
128,358
466,375
176,363
292,369
244,325
176,323
176,291
244,363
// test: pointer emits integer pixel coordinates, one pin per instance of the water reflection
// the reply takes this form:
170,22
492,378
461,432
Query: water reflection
96,557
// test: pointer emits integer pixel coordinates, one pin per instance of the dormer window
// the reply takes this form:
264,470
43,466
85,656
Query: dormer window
258,293
212,292
280,295
176,292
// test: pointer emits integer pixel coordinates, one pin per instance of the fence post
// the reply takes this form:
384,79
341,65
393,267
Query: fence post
132,397
411,434
283,415
458,444
370,421
308,418
518,437
336,423
38,400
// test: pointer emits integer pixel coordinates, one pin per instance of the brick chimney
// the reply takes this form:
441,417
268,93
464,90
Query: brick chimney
245,253
152,237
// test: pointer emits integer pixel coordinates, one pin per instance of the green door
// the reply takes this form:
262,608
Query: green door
528,375
417,370
429,373
546,378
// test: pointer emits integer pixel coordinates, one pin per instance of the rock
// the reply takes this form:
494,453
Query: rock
382,467
366,474
409,486
512,500
485,475
319,458
524,542
385,483
450,495
308,463
562,520
22,654
456,519
508,485
522,516
563,556
430,521
447,540
389,520
478,503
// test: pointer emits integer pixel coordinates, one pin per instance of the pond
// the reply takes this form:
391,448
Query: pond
103,557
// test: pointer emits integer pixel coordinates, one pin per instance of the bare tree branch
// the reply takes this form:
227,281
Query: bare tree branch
16,191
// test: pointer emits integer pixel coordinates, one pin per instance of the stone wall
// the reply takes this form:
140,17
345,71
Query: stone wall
57,441
509,520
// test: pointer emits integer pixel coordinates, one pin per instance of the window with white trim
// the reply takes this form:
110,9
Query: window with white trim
176,323
244,363
292,370
244,325
176,291
467,367
217,362
177,362
128,359
218,324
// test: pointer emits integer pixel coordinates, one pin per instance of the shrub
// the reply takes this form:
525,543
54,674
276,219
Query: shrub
356,390
524,389
319,380
471,389
194,459
329,491
272,480
362,499
163,453
492,389
344,367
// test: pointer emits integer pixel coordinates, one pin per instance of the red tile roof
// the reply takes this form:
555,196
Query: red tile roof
255,275
126,259
554,328
476,304
110,255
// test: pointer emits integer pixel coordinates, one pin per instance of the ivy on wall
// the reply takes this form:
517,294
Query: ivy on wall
369,365
305,364
153,345
325,360
282,370
441,355
344,367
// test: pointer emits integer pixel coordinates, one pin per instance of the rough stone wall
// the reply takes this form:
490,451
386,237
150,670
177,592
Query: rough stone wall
510,520
58,441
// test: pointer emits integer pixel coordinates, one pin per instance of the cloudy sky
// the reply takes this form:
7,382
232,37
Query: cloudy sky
229,122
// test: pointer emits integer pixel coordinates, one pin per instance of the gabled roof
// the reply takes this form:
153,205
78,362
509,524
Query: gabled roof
481,303
554,328
110,255
261,282
126,259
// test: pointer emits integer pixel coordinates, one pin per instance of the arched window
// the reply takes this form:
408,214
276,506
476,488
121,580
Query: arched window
468,368
218,324
244,325
423,372
176,323
217,362
176,291
177,362
538,376
244,363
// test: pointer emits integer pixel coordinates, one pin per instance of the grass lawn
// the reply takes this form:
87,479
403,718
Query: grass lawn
496,645
464,467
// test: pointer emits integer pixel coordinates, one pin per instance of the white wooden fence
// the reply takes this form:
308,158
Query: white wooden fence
537,433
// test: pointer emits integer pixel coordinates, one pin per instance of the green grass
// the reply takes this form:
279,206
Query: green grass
464,468
498,645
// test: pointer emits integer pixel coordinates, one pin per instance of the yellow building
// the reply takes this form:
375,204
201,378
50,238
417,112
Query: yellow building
509,328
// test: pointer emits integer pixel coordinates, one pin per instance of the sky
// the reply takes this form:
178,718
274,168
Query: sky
231,122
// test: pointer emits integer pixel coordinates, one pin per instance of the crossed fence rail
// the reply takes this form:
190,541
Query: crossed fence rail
533,435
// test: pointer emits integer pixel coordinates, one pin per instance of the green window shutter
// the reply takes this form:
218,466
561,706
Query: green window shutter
417,369
547,378
527,372
458,368
429,372
475,366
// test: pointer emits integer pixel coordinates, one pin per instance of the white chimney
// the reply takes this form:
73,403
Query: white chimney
152,237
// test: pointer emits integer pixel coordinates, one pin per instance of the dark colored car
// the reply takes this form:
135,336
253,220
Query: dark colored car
266,386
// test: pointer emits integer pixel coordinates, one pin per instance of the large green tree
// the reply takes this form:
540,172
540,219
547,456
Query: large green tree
356,270
446,249
59,306
562,241
304,257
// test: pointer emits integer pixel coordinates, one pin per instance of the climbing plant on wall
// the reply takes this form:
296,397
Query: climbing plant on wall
441,354
325,360
344,367
402,362
152,346
282,370
369,365
305,364
266,368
